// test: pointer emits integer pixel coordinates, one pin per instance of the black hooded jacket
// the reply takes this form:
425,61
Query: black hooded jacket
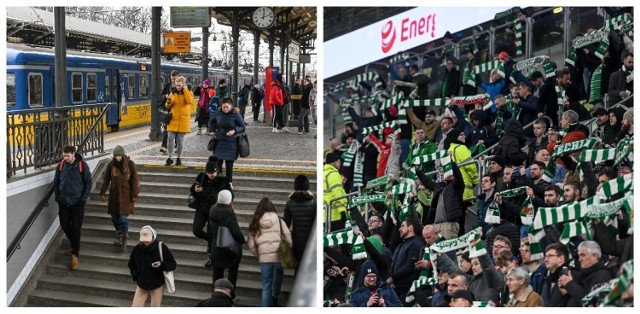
299,215
509,146
140,261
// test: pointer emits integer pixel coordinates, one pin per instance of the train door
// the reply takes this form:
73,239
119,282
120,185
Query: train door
113,95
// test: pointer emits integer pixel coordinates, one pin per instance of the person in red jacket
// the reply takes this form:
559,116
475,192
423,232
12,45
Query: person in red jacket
276,98
385,151
575,131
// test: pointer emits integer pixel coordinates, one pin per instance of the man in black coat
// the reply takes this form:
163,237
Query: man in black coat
621,81
221,296
403,269
446,206
592,273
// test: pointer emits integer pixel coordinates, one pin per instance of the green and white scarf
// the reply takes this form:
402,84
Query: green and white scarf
469,100
378,182
612,187
438,102
442,155
562,149
493,212
597,36
399,57
627,74
485,67
340,237
481,304
380,127
519,32
358,169
595,85
387,103
364,199
620,284
618,22
348,156
527,212
369,76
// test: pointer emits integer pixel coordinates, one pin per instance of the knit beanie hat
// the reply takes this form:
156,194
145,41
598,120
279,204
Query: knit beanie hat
147,234
207,82
118,151
224,197
212,165
301,183
628,115
331,157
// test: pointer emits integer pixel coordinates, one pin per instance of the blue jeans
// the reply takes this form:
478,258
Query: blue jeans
120,222
271,282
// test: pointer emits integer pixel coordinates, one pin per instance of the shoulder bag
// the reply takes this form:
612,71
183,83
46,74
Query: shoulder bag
169,283
287,260
243,145
225,240
193,200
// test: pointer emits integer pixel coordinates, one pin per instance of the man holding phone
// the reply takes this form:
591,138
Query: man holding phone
374,292
556,258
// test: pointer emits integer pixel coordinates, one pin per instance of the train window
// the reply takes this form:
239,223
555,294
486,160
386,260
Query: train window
92,87
11,89
35,89
107,88
76,87
144,86
132,86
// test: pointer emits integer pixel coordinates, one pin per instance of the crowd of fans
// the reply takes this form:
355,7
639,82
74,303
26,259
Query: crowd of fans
516,197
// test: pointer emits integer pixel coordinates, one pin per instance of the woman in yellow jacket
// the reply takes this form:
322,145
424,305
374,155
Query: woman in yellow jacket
460,153
179,103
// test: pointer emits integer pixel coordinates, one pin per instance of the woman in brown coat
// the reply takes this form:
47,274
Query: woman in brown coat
121,178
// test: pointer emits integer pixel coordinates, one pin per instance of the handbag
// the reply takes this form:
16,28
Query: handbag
287,260
243,145
167,118
225,240
212,144
169,283
193,200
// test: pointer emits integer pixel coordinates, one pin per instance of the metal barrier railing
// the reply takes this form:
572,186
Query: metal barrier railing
44,202
35,137
327,226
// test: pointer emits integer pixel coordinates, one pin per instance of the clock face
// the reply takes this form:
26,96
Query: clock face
264,17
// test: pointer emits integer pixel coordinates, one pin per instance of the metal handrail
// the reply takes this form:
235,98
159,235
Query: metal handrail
15,243
327,226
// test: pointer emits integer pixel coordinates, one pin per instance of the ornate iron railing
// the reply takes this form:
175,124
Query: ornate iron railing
35,137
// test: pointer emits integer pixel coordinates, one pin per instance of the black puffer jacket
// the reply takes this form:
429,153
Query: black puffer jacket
452,195
140,261
299,215
210,189
223,215
586,280
509,146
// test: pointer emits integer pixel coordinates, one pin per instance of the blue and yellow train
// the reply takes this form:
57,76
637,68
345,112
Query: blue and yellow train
96,78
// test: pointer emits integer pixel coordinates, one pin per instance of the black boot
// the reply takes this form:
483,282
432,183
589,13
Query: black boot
208,263
275,301
178,162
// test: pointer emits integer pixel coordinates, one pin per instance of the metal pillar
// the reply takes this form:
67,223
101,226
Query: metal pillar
155,133
61,57
205,53
256,55
272,42
235,35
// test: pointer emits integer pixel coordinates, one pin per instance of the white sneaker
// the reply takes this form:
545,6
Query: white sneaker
274,130
286,130
278,131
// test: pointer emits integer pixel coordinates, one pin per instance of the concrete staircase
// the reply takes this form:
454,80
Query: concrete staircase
103,278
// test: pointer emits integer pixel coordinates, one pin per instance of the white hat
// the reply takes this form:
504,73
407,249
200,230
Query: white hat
224,197
147,234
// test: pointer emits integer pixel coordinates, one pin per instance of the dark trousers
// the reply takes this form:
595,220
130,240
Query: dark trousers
278,117
233,276
304,120
256,112
243,109
71,218
228,168
200,221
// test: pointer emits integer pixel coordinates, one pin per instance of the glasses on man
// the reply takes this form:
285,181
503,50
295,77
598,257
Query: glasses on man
499,247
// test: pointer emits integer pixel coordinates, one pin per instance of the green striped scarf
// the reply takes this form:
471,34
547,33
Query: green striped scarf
368,76
378,182
562,149
477,149
481,304
627,74
485,67
442,155
390,102
470,100
348,156
364,199
493,212
439,102
399,57
358,168
380,127
526,212
620,284
618,22
467,79
519,32
595,85
340,237
612,187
